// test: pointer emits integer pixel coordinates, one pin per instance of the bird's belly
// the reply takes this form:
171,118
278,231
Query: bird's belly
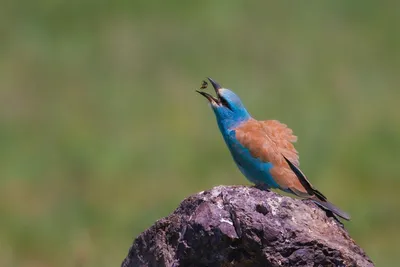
254,169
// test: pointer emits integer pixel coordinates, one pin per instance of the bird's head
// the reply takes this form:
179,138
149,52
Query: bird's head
227,106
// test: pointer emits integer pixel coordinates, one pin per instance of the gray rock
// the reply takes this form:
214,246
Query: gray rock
245,226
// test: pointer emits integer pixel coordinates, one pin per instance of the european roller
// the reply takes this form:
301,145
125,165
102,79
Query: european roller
263,150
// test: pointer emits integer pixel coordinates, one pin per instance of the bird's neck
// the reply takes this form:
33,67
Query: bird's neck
227,124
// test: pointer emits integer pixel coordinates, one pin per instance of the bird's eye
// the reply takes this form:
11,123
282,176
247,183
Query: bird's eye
225,103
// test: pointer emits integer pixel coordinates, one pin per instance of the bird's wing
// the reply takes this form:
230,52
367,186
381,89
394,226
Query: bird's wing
283,138
304,181
271,141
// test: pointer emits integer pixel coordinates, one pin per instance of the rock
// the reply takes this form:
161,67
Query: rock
245,226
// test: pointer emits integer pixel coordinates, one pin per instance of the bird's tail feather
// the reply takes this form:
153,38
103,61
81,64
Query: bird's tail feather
317,196
329,206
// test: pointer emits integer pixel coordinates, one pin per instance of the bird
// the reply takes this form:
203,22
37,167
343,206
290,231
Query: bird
263,150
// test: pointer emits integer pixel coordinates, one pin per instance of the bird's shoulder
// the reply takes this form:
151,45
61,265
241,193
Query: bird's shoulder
268,140
278,131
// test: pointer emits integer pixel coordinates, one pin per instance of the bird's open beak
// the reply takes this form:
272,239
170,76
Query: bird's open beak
210,98
213,100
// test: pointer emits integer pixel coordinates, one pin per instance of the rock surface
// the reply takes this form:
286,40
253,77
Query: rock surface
245,226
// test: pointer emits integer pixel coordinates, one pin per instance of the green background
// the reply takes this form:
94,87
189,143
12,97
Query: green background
101,132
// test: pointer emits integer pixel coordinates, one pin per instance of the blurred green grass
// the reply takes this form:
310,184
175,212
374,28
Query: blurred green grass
101,132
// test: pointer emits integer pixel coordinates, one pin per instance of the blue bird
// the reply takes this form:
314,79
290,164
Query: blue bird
263,150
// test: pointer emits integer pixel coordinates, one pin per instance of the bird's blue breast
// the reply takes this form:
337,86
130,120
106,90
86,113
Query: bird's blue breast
254,169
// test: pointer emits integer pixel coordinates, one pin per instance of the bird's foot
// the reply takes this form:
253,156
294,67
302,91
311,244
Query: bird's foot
262,187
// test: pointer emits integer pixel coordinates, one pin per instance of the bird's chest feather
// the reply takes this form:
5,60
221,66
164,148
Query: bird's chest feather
254,169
